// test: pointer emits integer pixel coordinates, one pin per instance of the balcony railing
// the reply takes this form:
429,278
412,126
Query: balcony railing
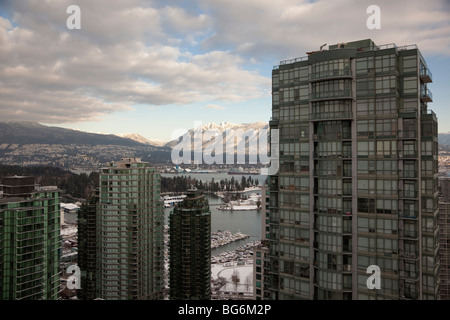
426,95
331,94
407,214
407,134
410,235
407,174
410,255
408,113
425,75
407,194
332,115
407,154
330,74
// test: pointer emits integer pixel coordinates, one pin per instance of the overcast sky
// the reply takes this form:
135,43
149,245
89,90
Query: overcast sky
151,67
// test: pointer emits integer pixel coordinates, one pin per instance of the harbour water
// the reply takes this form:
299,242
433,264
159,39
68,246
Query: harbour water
247,222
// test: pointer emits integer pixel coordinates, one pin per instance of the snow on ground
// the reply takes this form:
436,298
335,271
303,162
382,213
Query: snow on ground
226,270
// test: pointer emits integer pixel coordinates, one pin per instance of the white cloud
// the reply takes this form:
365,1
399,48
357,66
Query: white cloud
155,53
288,28
123,55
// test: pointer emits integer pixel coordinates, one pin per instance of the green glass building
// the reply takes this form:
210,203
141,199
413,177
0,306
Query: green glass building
190,249
30,242
87,248
129,232
357,184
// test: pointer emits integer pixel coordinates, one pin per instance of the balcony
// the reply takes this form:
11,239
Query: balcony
409,255
407,154
407,113
330,74
408,235
407,134
329,95
426,95
407,174
425,75
407,194
408,215
338,115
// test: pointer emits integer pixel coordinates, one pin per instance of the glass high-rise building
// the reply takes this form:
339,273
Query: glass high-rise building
30,242
129,232
357,184
444,239
190,248
88,248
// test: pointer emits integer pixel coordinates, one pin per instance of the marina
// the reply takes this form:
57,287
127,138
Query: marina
170,201
220,238
251,202
241,254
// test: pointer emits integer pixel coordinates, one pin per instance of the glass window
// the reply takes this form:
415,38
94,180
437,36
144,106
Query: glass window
366,148
364,65
365,106
385,85
410,64
410,85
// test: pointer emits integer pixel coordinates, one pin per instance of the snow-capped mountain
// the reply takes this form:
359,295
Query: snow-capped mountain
224,134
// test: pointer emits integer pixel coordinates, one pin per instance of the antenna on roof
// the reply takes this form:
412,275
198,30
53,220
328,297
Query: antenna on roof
322,46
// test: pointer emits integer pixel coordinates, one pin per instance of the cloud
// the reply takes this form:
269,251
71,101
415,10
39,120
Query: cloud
124,54
289,28
215,106
160,53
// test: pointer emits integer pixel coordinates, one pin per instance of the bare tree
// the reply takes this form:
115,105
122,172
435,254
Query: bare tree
235,278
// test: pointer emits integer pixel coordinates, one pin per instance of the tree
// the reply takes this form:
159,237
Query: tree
235,278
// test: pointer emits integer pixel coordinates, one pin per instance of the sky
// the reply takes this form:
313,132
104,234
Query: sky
155,67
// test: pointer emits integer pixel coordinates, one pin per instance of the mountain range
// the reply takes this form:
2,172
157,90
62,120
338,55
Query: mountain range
29,132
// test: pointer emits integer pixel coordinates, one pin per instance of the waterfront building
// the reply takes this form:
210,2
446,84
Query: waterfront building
261,252
88,249
129,239
30,241
444,239
190,248
357,184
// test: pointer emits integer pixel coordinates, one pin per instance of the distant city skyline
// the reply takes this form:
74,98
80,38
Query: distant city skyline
152,67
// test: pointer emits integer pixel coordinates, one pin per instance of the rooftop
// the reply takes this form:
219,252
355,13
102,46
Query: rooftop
360,46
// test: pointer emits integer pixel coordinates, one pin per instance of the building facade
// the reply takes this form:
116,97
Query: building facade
129,232
30,242
357,184
444,239
190,249
261,252
88,248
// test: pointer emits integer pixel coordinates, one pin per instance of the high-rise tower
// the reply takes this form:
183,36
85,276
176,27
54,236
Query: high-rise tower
444,239
129,232
357,184
190,249
30,243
